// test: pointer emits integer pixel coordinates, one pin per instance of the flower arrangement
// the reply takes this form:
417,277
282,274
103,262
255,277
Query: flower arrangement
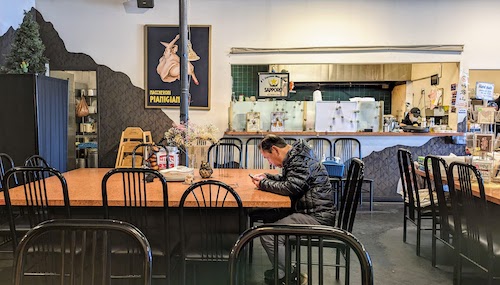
184,136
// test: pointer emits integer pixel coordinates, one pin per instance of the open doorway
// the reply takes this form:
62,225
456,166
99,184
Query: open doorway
83,132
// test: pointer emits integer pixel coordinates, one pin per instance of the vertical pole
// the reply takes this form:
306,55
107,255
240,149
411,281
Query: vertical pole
183,29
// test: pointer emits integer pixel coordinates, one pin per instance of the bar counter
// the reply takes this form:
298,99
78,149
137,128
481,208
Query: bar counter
379,152
345,134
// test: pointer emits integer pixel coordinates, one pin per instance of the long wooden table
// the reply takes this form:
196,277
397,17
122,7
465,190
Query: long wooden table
491,189
84,188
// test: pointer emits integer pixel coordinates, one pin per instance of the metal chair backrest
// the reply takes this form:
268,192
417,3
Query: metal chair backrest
408,180
317,233
472,222
79,252
136,209
147,149
350,197
290,140
36,161
207,203
224,155
322,147
436,171
236,141
253,158
347,149
6,163
34,191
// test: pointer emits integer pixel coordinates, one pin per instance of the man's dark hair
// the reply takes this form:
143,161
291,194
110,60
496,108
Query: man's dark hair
272,140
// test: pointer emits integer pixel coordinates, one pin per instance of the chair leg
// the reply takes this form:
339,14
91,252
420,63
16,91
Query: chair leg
371,196
347,264
433,243
459,267
337,262
419,226
404,223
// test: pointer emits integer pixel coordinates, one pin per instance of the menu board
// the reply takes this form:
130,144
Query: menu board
484,90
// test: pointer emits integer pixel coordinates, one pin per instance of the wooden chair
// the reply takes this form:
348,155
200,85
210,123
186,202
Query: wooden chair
315,263
152,221
210,233
79,252
417,205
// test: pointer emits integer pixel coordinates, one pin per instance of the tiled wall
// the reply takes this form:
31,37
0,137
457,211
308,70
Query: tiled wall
245,82
245,79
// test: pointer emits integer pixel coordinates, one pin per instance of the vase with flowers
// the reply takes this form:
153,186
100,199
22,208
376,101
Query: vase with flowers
192,139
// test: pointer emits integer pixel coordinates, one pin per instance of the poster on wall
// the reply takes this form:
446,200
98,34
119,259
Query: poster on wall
162,66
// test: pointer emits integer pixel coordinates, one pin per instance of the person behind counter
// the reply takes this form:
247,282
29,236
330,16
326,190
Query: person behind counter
411,117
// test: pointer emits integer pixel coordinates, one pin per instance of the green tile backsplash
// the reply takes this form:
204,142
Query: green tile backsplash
245,81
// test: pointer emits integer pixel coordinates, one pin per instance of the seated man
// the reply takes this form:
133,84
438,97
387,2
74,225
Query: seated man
305,180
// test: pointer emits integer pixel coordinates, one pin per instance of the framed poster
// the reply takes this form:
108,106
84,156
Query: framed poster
277,121
162,67
273,85
484,142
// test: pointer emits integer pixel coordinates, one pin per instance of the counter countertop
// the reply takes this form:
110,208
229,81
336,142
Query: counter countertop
312,133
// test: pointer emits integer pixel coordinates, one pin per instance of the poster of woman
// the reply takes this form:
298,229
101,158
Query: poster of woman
163,65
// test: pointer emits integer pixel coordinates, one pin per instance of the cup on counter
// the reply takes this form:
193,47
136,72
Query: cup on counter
252,98
241,98
90,92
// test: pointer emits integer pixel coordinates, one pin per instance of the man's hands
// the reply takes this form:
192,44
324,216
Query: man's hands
256,178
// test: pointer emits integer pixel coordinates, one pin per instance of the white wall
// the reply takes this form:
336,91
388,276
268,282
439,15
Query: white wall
12,13
112,33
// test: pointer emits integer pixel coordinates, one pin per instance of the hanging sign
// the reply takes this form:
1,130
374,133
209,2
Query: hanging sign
273,85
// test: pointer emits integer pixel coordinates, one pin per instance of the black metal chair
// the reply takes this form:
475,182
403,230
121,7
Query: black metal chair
146,149
346,149
34,195
36,161
207,229
224,155
290,140
253,158
6,163
82,254
473,222
235,140
417,205
436,171
317,236
322,147
346,215
152,220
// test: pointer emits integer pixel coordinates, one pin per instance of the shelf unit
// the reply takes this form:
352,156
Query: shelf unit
87,130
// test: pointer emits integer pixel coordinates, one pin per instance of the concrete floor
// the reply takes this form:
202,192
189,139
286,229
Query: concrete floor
380,231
